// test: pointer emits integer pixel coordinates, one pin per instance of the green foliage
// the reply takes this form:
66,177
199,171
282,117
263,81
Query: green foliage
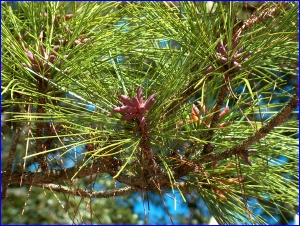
56,68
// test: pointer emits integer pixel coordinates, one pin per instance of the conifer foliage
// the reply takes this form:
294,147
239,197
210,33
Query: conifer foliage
156,97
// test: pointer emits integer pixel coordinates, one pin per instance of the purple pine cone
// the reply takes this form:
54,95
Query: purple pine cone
134,107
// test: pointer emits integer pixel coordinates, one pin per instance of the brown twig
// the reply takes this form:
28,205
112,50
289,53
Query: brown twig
94,194
53,176
42,159
262,132
258,17
102,194
148,162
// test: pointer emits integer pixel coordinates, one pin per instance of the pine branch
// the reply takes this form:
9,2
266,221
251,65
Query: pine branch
259,17
97,167
138,154
42,159
52,176
262,132
84,193
100,194
100,167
